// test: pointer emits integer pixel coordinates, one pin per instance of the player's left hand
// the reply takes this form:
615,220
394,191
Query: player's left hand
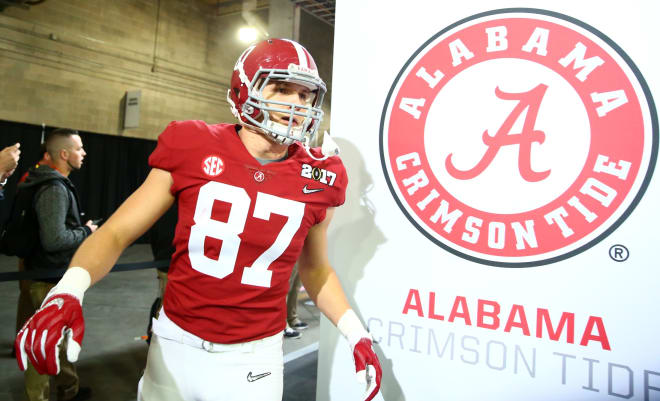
367,367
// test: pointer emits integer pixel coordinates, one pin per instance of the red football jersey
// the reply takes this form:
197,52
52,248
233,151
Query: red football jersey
241,228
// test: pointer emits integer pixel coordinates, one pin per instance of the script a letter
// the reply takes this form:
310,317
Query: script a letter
503,137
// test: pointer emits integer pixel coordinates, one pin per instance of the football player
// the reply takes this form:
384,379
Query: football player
253,198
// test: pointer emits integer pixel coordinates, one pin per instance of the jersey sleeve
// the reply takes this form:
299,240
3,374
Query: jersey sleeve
341,182
164,156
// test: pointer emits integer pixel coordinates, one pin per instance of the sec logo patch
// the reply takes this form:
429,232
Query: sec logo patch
213,166
518,137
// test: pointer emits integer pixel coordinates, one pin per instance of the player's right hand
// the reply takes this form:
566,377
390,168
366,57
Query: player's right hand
43,334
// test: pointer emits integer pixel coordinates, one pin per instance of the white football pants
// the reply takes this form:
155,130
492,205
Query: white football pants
183,367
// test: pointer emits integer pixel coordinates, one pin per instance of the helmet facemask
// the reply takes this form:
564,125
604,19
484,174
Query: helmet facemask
257,110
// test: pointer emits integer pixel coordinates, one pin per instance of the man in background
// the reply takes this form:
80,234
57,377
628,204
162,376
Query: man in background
61,231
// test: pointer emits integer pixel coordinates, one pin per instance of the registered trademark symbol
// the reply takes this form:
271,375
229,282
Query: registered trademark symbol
619,253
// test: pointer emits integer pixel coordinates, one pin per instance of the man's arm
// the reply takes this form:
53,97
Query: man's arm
51,206
141,210
324,288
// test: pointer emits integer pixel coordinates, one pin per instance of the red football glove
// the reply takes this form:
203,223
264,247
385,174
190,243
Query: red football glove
41,337
367,367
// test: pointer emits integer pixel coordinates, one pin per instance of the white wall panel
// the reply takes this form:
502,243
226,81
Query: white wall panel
382,257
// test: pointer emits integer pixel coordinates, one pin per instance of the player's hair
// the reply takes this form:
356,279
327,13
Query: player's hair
57,140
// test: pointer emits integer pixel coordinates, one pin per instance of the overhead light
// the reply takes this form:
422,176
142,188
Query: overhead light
247,34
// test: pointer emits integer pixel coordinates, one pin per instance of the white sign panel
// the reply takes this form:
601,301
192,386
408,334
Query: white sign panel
498,235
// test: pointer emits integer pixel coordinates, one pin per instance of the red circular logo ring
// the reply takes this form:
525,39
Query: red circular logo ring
518,137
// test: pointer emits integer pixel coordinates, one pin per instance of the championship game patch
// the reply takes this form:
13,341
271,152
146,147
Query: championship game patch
518,137
318,174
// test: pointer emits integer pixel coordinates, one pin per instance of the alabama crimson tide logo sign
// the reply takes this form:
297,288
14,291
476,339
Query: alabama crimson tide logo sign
518,137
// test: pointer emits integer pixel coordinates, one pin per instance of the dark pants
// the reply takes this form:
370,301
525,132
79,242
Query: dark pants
292,296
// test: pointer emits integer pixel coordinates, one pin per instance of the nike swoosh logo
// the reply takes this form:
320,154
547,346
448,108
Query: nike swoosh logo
251,378
57,302
311,190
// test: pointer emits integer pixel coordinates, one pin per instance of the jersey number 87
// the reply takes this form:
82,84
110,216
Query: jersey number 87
257,274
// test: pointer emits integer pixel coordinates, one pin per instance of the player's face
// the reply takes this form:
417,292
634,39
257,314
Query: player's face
76,153
288,92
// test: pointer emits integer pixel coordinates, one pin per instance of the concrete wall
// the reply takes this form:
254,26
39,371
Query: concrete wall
70,62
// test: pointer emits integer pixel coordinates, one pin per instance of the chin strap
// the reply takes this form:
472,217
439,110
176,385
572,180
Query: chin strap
329,147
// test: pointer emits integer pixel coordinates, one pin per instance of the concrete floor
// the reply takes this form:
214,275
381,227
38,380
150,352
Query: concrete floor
113,356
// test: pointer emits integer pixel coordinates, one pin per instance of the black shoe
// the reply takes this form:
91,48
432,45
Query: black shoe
84,393
291,333
298,324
